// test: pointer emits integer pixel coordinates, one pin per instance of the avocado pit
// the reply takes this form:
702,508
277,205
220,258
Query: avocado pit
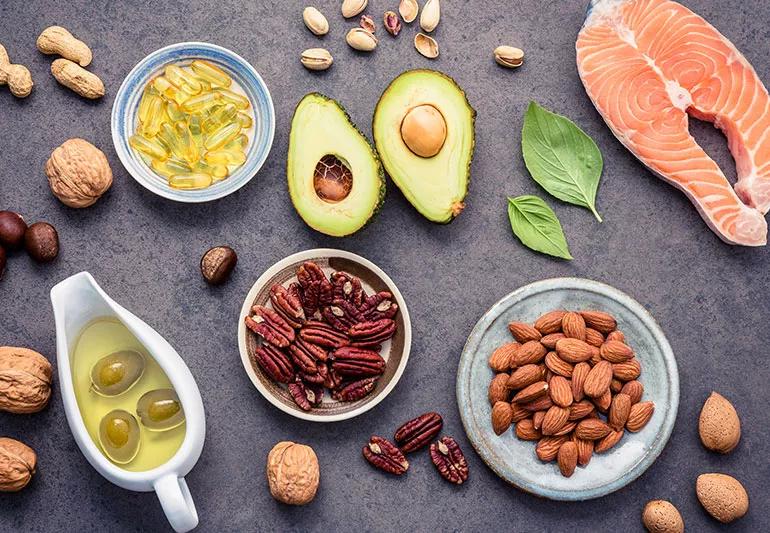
423,130
332,179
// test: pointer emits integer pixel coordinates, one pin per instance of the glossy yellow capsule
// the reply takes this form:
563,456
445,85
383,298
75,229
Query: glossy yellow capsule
223,115
186,142
190,181
182,79
174,112
245,120
144,104
154,118
217,172
170,167
168,137
241,142
198,103
161,84
212,73
151,147
225,157
222,136
240,101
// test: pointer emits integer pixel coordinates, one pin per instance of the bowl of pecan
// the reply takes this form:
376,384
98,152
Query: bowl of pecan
324,335
568,389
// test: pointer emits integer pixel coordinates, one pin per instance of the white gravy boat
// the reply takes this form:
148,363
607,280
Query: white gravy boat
77,301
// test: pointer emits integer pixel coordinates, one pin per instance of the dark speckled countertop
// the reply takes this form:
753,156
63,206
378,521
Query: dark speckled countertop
711,299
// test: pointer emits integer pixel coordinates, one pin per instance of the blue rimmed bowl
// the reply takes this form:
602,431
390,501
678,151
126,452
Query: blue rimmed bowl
124,118
514,460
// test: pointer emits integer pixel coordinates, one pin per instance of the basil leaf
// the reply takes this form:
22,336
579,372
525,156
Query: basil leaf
536,226
561,157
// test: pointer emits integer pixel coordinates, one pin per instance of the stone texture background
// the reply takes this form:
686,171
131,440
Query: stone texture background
710,298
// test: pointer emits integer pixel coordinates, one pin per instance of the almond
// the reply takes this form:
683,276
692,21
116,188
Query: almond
557,365
550,322
554,420
616,352
573,326
537,419
608,441
502,359
598,380
579,375
627,371
619,411
639,415
550,340
580,409
634,389
616,336
524,332
616,386
548,447
603,402
599,320
524,375
660,516
560,390
718,425
585,449
541,404
518,413
566,429
531,392
501,417
722,496
567,458
593,337
592,429
595,356
573,350
525,430
529,352
498,390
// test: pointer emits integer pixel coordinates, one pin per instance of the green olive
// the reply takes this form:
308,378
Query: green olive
160,410
119,436
114,374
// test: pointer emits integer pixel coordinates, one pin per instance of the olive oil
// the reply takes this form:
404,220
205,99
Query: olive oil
99,339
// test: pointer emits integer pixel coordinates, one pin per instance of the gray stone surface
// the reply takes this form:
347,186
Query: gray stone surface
710,298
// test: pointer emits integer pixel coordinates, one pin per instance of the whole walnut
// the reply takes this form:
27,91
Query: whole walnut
17,464
292,473
78,173
25,380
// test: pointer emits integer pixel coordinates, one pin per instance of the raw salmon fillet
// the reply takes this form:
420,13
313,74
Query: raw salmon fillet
646,64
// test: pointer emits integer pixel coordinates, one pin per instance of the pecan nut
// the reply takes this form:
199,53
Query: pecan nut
418,432
305,355
304,395
316,290
350,361
348,288
342,315
288,305
322,334
270,326
275,363
352,391
383,454
449,460
332,380
379,306
372,333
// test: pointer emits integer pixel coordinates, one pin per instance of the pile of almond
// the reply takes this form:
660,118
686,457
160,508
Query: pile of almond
570,382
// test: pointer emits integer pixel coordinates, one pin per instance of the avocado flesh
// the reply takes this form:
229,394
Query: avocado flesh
435,186
320,127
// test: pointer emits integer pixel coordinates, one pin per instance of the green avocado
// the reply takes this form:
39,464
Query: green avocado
336,181
424,130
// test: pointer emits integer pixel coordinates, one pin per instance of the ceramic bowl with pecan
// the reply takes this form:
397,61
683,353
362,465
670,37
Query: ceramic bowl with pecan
324,360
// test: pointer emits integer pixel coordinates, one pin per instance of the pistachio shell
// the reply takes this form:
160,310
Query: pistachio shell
316,59
362,40
315,21
351,8
509,56
408,10
431,15
426,45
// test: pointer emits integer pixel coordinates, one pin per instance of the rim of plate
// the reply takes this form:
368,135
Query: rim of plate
128,96
303,256
475,434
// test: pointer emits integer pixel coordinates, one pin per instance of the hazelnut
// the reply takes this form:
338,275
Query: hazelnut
78,173
42,242
218,263
17,465
2,262
12,228
293,473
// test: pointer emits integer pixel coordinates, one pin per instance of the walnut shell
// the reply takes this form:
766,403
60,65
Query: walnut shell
292,473
25,380
78,173
17,464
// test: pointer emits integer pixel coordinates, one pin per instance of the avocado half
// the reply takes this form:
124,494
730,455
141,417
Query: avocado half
436,185
336,181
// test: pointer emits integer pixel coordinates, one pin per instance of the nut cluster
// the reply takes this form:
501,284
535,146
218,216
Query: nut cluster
40,240
323,333
569,382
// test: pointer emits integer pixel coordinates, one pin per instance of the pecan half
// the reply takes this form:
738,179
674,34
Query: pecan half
348,288
317,291
384,455
351,361
288,305
449,460
342,315
372,333
352,391
318,377
322,334
275,363
332,380
418,432
379,306
304,356
305,396
270,326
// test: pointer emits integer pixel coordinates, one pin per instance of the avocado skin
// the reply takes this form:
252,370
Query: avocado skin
375,155
473,124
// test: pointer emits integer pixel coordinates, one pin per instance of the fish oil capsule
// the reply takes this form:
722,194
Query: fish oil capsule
144,104
170,139
240,101
198,103
186,142
182,79
245,120
223,115
161,84
170,167
212,73
154,118
197,180
241,142
222,136
225,157
151,147
174,112
217,172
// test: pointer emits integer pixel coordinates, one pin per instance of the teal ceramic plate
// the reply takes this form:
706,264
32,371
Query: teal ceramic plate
515,460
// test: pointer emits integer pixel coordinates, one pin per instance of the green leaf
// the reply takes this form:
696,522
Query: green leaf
561,157
536,226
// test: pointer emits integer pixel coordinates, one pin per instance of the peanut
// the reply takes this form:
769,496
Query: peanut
17,77
75,77
59,41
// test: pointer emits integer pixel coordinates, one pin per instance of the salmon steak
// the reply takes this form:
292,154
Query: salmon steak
648,65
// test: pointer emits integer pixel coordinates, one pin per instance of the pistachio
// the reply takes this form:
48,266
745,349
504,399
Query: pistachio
431,14
351,8
392,23
315,21
367,23
316,59
362,40
509,57
408,10
426,45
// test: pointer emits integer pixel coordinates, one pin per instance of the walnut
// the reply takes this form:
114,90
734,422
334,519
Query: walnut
25,380
292,473
17,464
78,173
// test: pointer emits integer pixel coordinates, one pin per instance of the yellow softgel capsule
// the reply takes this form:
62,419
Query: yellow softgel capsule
222,136
150,147
174,112
241,142
170,167
170,139
161,84
182,79
240,101
223,115
212,73
148,96
197,180
198,103
217,172
245,120
225,157
154,118
186,142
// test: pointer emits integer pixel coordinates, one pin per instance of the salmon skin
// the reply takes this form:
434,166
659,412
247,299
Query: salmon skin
646,64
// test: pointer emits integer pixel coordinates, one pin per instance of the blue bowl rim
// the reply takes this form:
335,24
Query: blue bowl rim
243,175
